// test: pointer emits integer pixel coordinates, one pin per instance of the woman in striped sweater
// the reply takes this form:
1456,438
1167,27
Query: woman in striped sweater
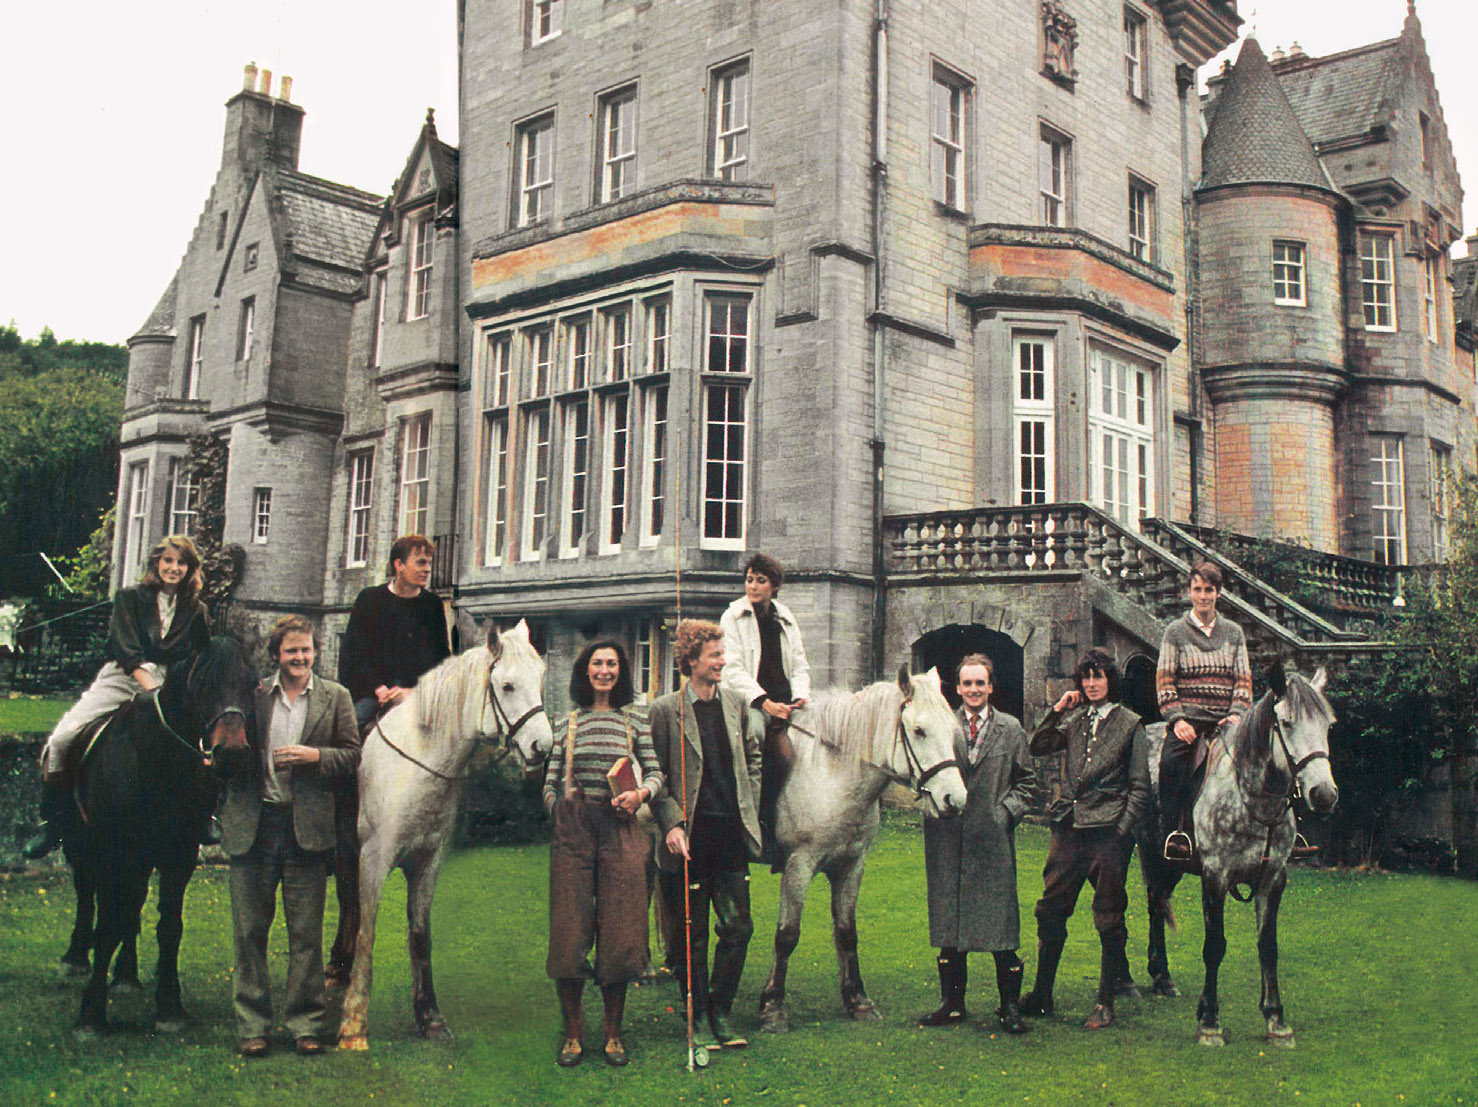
598,857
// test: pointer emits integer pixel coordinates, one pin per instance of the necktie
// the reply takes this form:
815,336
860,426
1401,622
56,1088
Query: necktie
975,741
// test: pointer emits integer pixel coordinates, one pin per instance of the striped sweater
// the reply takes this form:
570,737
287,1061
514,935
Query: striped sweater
600,740
1203,677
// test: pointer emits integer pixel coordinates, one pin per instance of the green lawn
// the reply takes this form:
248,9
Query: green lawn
21,714
1378,973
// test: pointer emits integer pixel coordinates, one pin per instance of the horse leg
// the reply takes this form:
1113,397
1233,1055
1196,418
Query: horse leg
800,868
1159,884
346,886
1213,907
76,962
1279,1032
115,897
372,873
844,890
420,887
126,963
169,1011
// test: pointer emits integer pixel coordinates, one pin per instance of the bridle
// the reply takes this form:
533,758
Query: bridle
164,725
918,775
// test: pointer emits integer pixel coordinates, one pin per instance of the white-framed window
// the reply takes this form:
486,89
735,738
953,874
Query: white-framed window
576,475
136,497
415,474
540,378
245,326
1289,288
658,332
499,369
654,482
616,144
533,159
1388,499
1141,219
361,497
545,19
1439,476
261,515
1431,265
495,511
728,116
727,343
577,352
1121,435
1054,176
1378,281
196,362
184,498
616,322
949,98
536,483
377,319
1135,53
1033,359
423,246
648,666
616,455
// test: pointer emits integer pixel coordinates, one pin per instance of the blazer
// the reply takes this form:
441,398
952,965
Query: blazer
330,726
670,723
742,651
1107,786
135,636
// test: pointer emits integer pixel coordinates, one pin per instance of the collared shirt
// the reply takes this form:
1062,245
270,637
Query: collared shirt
975,732
1204,628
166,603
285,728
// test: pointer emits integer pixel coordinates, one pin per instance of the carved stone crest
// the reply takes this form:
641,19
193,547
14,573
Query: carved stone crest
1059,42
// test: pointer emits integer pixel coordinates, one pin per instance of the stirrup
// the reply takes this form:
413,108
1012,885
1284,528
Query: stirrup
1180,841
1302,847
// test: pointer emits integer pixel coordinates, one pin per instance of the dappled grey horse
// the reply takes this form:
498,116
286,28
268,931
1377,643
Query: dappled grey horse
410,783
848,746
1245,830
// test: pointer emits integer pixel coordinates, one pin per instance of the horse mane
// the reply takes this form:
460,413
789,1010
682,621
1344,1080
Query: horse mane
449,697
220,668
856,724
1304,701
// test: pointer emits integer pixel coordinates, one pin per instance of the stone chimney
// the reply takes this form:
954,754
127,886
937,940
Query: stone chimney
261,128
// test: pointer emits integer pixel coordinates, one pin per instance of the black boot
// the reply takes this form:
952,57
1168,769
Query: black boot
49,835
1112,952
1039,1002
953,977
1009,971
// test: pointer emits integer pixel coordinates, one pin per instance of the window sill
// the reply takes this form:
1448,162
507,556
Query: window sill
1291,303
1380,330
950,212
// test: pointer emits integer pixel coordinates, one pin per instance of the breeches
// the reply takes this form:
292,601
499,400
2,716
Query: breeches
1097,856
1180,766
597,893
110,690
726,890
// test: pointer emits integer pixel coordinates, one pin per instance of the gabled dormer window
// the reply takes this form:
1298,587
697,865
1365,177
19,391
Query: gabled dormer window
422,239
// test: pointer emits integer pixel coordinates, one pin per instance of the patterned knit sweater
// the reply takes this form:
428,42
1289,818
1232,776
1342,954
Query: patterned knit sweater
1203,677
600,739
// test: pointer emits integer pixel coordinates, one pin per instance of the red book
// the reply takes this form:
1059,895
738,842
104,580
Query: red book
622,776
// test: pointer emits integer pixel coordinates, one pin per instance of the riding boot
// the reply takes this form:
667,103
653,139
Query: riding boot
774,771
53,807
573,1016
1009,971
953,979
1111,953
1039,1001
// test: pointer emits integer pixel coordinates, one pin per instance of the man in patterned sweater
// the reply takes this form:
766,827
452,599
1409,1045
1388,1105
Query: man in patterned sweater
1203,681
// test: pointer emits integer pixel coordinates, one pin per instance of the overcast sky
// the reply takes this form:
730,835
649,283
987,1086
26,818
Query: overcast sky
112,115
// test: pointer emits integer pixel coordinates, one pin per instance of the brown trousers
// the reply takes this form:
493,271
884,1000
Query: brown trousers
1098,856
597,893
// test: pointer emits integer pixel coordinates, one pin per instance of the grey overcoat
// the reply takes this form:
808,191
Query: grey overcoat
970,858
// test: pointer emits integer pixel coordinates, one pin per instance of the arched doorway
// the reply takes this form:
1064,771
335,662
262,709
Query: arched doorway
1138,687
943,648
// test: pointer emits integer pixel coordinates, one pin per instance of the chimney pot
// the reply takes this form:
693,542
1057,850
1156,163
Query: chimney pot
1277,54
1295,51
286,94
266,86
249,76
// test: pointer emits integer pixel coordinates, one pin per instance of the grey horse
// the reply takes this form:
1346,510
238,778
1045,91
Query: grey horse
1245,831
848,746
410,782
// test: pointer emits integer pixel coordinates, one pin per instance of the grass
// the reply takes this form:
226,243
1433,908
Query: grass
1378,974
22,714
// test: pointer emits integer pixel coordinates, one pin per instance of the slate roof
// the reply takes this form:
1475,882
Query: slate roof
1346,93
1465,288
330,224
1253,136
161,320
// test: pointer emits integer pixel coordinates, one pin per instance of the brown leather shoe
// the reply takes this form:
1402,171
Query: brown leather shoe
1100,1018
570,1053
252,1047
616,1053
308,1045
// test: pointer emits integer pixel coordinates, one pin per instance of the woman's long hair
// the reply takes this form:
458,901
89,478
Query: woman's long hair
581,692
194,581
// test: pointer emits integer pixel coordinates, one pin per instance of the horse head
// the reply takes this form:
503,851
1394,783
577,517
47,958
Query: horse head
209,698
1304,718
926,733
514,706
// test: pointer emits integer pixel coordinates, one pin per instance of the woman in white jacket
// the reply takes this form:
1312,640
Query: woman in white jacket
765,662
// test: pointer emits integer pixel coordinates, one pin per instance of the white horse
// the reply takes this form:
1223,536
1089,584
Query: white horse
848,747
410,778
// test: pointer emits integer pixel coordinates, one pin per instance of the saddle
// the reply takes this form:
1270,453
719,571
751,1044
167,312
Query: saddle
88,738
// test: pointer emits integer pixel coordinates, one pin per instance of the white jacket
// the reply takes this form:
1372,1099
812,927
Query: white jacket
742,651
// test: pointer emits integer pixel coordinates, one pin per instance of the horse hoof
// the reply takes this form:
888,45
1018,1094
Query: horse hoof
436,1031
354,1043
71,970
1165,988
773,1021
175,1024
865,1011
125,987
1280,1035
1210,1036
87,1033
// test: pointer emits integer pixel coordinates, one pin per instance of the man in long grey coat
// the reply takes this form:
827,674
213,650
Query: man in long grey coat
970,858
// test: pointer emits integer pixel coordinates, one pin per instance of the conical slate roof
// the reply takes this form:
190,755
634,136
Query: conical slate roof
1254,136
160,323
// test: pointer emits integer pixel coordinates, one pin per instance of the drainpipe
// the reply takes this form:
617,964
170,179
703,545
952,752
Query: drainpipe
1185,82
879,343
